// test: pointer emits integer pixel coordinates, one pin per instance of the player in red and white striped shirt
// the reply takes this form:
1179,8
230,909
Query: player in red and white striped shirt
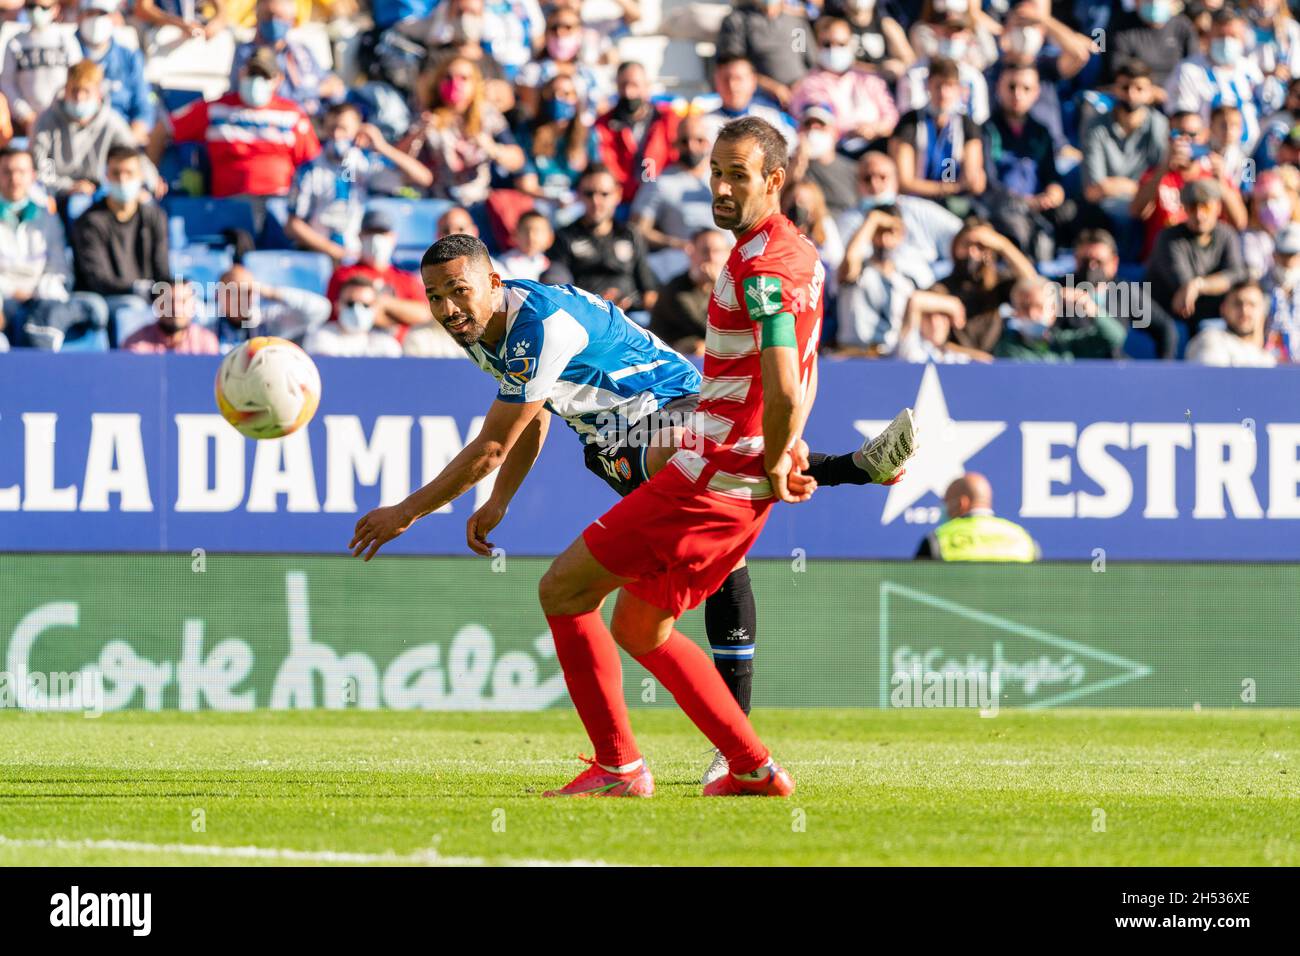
672,541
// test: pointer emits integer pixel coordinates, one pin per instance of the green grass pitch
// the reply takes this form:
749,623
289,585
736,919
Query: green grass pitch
1080,787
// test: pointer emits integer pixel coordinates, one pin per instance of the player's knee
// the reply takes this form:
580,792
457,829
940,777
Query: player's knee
560,593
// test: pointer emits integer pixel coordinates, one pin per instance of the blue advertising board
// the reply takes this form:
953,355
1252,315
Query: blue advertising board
1141,461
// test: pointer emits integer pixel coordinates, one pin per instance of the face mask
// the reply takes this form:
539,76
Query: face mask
125,191
560,111
41,17
1095,275
468,28
95,31
861,7
882,199
255,91
357,317
81,110
453,90
836,59
1288,278
1274,213
820,143
951,48
1225,51
1026,41
689,158
275,30
629,107
1157,13
377,248
336,149
1034,331
563,48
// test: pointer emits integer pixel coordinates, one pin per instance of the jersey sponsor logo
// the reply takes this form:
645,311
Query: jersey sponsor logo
510,388
762,295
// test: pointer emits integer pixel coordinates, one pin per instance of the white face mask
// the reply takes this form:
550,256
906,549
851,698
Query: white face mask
357,317
821,142
96,31
41,17
951,48
378,247
1287,278
255,91
836,59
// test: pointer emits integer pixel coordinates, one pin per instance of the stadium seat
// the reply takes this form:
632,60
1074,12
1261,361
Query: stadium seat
90,340
125,322
204,218
201,264
299,270
173,99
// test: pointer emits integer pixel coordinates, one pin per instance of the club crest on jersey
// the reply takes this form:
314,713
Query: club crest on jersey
763,295
521,369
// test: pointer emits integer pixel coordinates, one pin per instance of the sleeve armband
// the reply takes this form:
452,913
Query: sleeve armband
778,330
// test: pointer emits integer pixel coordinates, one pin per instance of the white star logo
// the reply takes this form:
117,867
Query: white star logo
943,447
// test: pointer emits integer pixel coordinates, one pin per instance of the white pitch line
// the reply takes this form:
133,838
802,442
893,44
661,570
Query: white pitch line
418,858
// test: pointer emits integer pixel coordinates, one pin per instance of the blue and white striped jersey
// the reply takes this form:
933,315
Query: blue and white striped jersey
583,356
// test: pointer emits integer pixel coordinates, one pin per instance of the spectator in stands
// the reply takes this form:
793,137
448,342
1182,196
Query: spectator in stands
128,93
986,266
1275,128
915,90
937,148
177,328
671,208
355,334
507,30
1241,341
1024,191
1154,33
929,228
1030,332
635,136
599,34
736,84
1122,146
558,143
1096,275
878,39
806,207
72,139
36,62
1226,75
1226,124
303,80
953,30
1157,201
927,328
459,136
872,300
774,38
562,54
818,161
6,123
34,271
1274,44
1282,287
1272,205
681,314
256,139
119,244
330,192
248,308
1197,261
198,19
528,260
596,253
455,220
861,103
401,301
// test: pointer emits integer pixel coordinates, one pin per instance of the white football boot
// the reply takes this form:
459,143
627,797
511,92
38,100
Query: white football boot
884,456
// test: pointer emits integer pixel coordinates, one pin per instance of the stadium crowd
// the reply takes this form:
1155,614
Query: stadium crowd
1031,180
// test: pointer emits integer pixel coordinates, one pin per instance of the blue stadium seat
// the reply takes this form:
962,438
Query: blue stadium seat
90,340
416,220
299,270
205,218
172,100
201,264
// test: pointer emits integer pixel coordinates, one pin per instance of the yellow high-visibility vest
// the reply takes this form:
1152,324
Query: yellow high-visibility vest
984,538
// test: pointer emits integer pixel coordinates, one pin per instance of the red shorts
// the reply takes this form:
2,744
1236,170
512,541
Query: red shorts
676,541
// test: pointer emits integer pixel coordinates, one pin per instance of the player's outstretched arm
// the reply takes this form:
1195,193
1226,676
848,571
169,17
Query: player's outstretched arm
518,463
504,423
785,455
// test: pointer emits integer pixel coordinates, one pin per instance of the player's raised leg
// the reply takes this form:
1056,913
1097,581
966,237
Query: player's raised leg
571,593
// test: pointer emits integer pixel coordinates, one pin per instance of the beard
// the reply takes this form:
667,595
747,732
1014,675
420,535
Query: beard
468,334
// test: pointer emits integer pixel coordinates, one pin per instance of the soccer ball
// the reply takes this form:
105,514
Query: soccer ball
268,388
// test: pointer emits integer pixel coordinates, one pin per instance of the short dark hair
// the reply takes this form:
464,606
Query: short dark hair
529,214
1092,237
729,59
456,246
776,153
1243,284
359,281
627,65
596,169
10,151
121,151
1133,68
942,68
338,109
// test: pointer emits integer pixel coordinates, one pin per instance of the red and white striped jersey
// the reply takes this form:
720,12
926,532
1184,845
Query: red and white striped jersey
772,269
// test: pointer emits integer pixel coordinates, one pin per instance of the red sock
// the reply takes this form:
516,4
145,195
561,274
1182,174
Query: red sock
594,675
698,688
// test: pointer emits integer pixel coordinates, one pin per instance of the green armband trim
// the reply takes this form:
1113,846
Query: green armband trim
778,330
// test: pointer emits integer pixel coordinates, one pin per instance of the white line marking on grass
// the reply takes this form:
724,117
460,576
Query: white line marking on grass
390,858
